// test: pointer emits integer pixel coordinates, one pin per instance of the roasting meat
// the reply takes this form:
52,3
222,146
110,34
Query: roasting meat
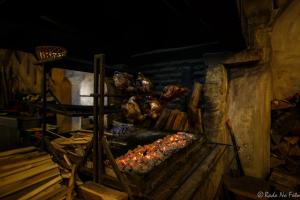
131,110
153,107
143,83
144,158
124,81
171,92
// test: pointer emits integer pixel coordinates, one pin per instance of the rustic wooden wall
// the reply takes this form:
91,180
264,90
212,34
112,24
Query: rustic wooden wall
183,72
21,73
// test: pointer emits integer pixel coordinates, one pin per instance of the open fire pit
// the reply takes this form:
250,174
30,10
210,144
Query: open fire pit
144,158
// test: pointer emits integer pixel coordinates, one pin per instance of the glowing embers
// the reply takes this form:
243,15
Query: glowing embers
144,158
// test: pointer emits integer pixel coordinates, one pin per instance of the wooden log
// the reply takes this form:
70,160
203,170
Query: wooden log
275,162
295,151
16,151
196,95
171,119
285,179
178,121
161,122
25,167
67,160
24,162
41,188
26,174
93,191
26,183
195,116
292,140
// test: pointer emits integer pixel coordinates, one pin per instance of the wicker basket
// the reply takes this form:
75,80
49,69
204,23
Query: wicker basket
50,53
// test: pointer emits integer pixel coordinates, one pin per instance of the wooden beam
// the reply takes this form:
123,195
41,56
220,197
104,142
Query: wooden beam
26,174
95,191
229,58
27,183
16,151
41,188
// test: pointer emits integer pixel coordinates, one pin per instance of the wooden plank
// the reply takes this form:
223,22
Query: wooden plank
192,183
246,186
243,57
162,119
15,157
26,174
24,162
41,188
21,193
121,177
43,195
93,191
26,183
178,121
181,173
171,119
71,183
25,167
16,151
61,194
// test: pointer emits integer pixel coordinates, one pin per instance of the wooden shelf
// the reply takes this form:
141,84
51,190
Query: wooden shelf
75,64
75,110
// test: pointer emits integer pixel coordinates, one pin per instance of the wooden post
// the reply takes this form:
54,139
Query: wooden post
96,125
120,176
44,96
101,172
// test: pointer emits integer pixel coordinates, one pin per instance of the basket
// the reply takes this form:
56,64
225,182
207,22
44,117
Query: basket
50,53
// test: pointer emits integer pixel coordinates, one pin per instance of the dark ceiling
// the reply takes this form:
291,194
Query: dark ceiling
121,29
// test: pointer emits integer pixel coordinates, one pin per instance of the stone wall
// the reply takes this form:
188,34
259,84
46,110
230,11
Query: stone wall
21,73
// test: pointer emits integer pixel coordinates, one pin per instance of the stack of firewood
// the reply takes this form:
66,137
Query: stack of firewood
71,149
285,144
173,120
27,173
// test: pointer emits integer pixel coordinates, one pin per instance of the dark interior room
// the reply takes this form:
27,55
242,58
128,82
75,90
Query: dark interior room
150,100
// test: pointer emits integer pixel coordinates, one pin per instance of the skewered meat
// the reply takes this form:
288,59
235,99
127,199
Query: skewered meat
171,92
131,110
143,83
144,158
153,108
123,81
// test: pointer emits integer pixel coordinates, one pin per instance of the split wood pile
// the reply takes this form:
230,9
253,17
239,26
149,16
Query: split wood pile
71,149
173,120
285,144
27,173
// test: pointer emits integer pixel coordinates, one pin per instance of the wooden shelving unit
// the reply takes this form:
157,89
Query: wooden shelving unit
99,144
